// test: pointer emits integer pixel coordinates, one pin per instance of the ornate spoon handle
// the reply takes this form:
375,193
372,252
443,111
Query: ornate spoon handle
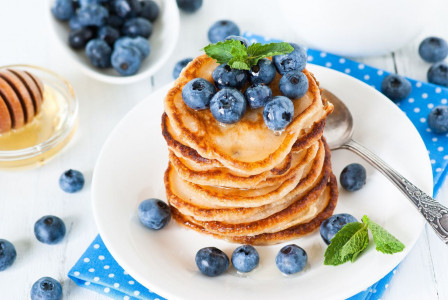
435,213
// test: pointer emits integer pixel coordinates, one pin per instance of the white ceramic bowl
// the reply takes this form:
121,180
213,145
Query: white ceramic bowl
357,27
163,41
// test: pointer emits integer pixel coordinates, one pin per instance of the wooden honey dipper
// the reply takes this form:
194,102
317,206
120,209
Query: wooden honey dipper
21,97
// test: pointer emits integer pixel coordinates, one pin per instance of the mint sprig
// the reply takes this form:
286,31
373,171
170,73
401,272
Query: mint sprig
353,239
237,56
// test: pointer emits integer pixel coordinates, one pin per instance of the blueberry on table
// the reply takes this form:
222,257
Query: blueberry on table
228,105
258,95
222,29
293,61
108,34
291,259
126,60
294,84
241,39
245,258
49,230
278,113
180,65
154,213
438,119
197,93
71,181
396,87
331,226
353,177
137,27
211,261
438,74
92,15
263,72
225,76
150,10
138,43
8,254
63,9
126,8
189,6
78,38
46,288
433,49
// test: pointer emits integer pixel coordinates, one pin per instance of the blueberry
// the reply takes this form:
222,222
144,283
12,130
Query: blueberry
278,113
228,105
8,254
438,119
154,213
46,288
293,61
294,84
78,38
291,259
189,6
126,8
222,29
438,74
241,39
115,21
433,49
396,87
197,93
99,53
49,230
258,95
126,60
92,15
83,3
138,43
180,65
150,10
245,258
63,9
71,181
353,177
211,261
108,34
262,72
225,76
137,27
74,23
333,224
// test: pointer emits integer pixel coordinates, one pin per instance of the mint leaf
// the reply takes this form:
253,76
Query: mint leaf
385,242
223,52
347,244
258,51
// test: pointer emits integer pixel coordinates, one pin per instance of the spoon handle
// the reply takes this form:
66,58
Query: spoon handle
435,213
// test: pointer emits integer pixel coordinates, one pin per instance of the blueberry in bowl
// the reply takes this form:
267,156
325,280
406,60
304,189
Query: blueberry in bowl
126,60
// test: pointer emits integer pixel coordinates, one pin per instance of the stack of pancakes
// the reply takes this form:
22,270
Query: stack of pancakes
244,182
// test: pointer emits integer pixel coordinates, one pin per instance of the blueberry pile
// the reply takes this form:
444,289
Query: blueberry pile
435,50
114,33
234,91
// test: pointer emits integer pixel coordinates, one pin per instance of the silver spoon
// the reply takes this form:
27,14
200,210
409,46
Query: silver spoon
338,133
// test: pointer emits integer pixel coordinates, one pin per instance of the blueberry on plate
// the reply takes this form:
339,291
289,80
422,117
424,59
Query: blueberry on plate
46,288
293,61
353,177
197,93
278,113
438,74
71,181
396,87
245,42
222,29
245,258
126,8
78,38
8,254
49,230
92,15
126,60
291,259
433,49
263,72
225,76
137,27
438,119
150,10
211,261
228,105
258,95
138,43
154,213
331,226
180,65
189,6
294,84
63,9
108,34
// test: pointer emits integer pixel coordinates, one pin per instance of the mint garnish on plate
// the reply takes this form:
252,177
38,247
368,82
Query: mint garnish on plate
237,56
353,239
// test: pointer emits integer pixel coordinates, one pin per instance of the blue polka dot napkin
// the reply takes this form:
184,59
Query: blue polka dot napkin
97,270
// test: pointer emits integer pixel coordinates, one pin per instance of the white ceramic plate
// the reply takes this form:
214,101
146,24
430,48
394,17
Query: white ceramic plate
162,41
131,166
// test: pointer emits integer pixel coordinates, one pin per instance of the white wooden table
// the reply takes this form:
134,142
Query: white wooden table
25,196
